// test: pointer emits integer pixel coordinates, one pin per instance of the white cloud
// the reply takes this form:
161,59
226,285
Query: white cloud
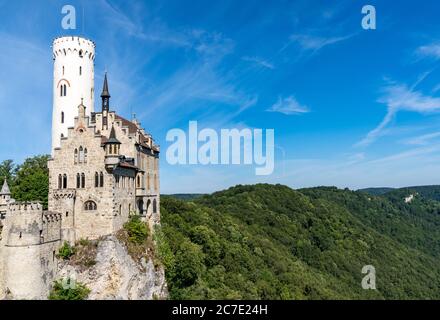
260,62
398,97
423,139
288,106
315,43
432,50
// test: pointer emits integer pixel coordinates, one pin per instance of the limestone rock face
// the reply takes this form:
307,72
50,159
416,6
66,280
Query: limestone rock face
116,276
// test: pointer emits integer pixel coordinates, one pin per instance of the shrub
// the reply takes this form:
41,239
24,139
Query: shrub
137,230
67,292
66,251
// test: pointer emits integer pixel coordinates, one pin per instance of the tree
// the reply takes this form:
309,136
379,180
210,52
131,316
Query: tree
8,170
32,180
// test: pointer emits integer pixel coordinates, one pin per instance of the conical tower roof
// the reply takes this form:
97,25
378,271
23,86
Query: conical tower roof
5,188
112,138
105,93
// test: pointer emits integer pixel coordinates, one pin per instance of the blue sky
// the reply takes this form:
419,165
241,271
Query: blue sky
350,107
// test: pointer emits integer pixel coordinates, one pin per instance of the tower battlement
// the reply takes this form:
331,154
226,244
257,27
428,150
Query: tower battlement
68,45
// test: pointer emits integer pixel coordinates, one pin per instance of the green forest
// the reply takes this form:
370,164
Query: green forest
272,242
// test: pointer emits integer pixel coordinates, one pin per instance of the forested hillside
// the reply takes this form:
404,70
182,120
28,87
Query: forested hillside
269,241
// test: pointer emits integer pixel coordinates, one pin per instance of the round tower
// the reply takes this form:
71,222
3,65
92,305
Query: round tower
73,80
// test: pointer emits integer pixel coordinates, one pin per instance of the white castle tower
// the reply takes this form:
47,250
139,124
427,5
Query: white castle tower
73,80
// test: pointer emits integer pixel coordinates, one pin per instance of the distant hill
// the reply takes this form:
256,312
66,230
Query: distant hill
272,242
376,191
429,192
185,196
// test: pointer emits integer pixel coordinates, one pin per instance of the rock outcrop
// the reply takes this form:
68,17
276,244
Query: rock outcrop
117,276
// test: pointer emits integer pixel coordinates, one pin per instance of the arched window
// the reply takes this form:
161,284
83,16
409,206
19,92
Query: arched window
60,181
80,53
120,209
96,180
83,180
75,156
148,205
62,117
65,181
101,180
78,181
138,182
61,90
80,70
154,206
65,90
81,154
63,70
90,205
85,155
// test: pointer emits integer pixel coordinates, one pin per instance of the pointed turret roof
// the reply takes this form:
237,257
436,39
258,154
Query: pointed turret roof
5,189
112,138
105,93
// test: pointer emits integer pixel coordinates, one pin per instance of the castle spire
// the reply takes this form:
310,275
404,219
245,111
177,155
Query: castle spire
5,189
105,95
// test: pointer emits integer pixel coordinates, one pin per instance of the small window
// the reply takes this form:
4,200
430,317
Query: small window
60,181
80,70
65,181
62,117
83,180
81,154
80,53
96,180
154,206
101,180
75,156
85,155
63,70
90,206
78,181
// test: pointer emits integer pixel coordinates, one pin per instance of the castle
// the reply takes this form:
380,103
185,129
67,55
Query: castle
103,169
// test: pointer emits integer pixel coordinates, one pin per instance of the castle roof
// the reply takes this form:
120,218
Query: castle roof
5,189
112,138
105,93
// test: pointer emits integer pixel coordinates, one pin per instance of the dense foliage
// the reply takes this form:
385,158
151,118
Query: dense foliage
78,291
137,229
66,251
28,181
269,241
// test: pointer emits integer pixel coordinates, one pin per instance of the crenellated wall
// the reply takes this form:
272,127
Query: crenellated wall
30,241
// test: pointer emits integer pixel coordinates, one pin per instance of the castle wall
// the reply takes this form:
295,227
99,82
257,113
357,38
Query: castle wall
29,248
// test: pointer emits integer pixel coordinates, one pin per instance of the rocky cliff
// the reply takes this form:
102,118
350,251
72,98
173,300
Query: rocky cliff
115,275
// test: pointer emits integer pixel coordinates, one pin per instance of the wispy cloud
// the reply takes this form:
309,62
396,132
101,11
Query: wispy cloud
423,139
288,106
260,62
431,50
316,43
398,97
